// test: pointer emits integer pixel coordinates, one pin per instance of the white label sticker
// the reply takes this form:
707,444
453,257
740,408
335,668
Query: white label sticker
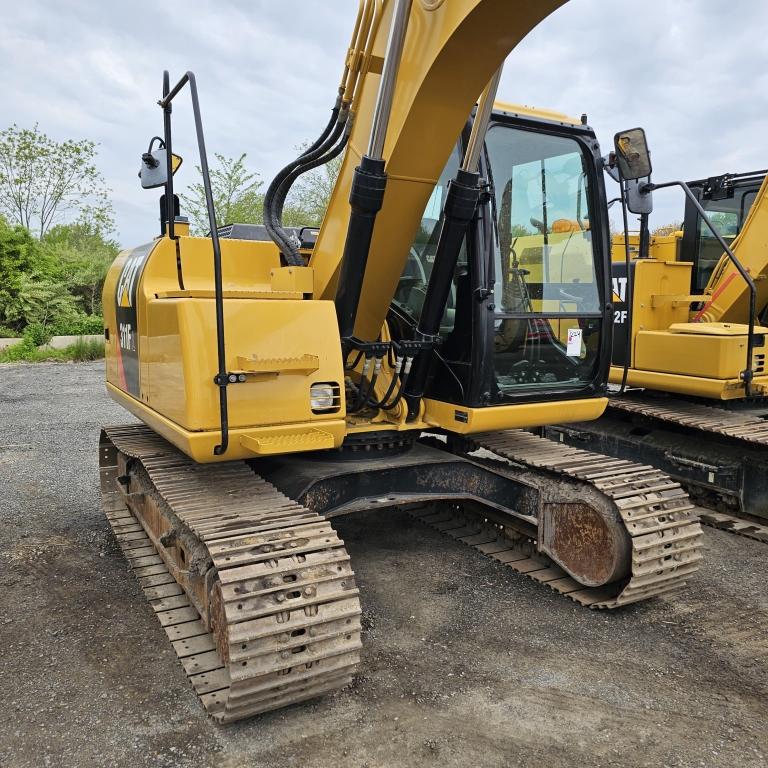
574,342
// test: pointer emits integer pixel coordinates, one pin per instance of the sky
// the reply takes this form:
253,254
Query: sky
693,73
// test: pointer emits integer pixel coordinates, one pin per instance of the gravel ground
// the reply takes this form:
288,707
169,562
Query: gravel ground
464,662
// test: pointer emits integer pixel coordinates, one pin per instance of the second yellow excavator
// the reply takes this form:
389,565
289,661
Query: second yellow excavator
690,330
457,291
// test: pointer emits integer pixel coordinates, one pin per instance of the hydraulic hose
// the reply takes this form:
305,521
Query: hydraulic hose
363,392
311,155
290,179
272,212
396,379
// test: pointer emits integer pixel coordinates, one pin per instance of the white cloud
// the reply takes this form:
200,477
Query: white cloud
691,72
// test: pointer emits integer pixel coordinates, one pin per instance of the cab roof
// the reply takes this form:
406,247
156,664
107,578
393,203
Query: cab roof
536,113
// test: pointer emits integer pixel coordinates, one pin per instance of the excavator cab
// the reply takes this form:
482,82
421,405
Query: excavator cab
527,317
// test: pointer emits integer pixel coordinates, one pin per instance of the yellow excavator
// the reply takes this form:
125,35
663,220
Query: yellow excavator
690,328
457,292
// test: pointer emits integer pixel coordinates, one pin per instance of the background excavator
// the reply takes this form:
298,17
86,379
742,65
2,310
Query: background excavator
457,291
690,327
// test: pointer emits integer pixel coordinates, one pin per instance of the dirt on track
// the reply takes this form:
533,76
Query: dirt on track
464,662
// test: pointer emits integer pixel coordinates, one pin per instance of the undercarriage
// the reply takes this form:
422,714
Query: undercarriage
256,591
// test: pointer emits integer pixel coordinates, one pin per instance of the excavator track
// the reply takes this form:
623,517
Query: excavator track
734,425
705,418
666,538
279,617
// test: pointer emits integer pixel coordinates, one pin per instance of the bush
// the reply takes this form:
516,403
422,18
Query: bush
25,352
36,334
18,352
81,325
56,282
85,349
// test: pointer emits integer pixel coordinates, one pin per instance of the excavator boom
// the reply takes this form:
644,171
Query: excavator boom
451,51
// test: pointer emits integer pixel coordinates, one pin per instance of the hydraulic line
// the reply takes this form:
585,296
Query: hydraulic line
272,221
460,206
333,138
363,391
369,182
308,164
398,375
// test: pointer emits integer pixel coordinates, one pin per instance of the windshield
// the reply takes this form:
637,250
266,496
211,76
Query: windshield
547,300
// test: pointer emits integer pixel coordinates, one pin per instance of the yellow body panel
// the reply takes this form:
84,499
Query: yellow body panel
467,421
694,386
180,354
661,247
715,355
199,445
663,278
535,112
280,342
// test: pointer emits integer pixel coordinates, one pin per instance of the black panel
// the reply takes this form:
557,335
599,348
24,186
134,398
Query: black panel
307,235
622,302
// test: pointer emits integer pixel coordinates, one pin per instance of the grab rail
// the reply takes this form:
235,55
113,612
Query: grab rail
222,378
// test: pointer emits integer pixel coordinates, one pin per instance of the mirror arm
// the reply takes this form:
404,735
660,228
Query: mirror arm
609,166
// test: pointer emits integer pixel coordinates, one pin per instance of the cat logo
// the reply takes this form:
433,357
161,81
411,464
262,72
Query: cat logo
126,284
125,315
619,290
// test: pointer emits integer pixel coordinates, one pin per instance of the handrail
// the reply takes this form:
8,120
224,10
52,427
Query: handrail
221,379
747,374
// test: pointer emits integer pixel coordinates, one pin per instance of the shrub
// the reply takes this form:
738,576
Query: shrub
37,334
85,349
81,351
17,352
81,325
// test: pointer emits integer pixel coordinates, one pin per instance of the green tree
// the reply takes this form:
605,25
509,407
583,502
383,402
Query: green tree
18,255
43,302
236,196
83,256
43,181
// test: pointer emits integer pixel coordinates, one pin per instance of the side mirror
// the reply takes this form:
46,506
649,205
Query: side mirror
153,171
632,155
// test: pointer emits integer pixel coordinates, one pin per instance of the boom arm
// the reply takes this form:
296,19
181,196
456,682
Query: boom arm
729,293
452,50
